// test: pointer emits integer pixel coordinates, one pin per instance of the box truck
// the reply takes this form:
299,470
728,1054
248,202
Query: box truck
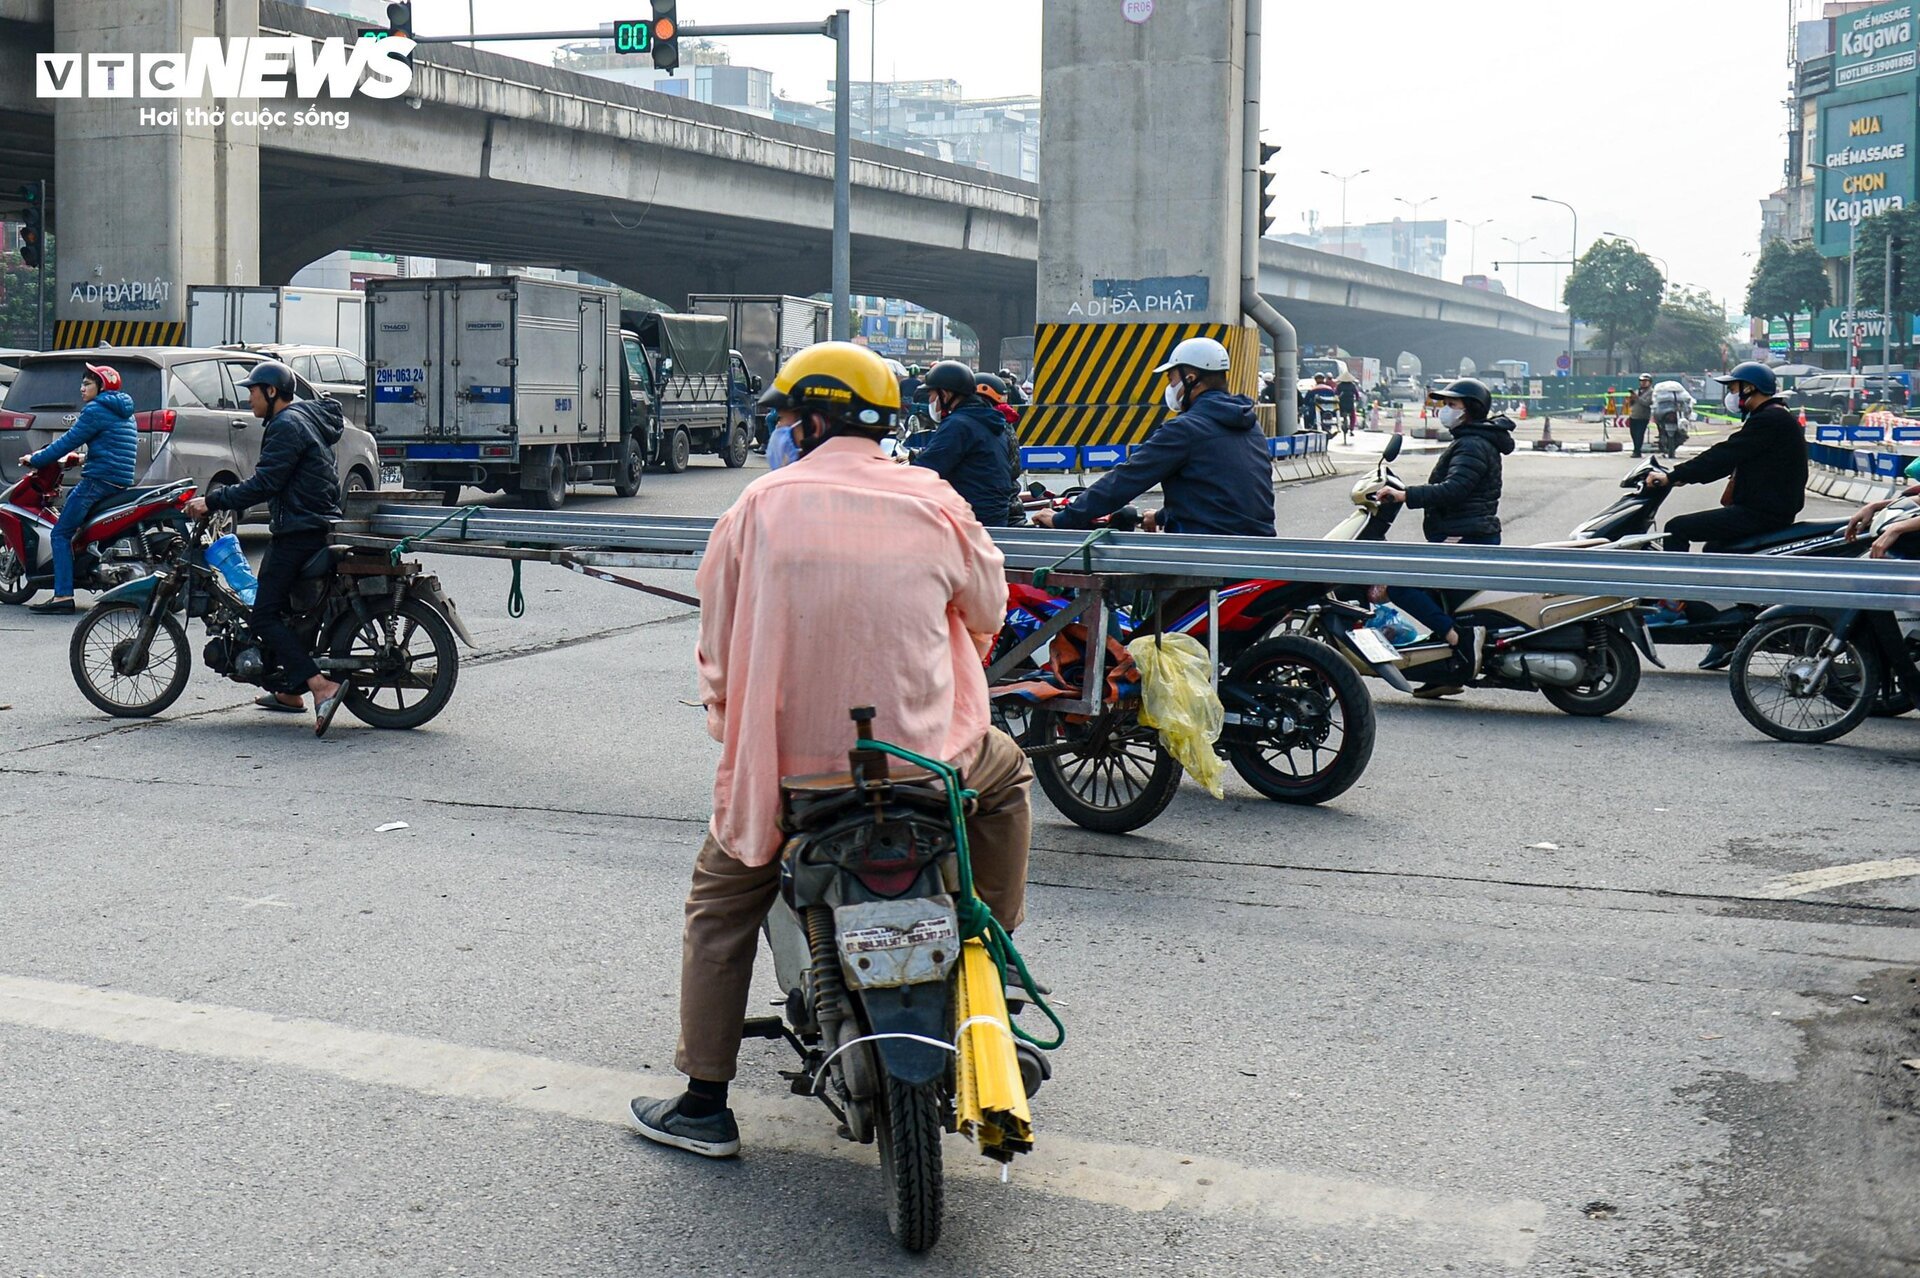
245,315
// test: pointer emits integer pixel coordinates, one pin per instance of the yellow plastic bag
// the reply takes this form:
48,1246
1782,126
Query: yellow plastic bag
1177,697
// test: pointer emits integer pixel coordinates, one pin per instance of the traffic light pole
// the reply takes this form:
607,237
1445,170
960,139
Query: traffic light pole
40,276
1886,314
839,29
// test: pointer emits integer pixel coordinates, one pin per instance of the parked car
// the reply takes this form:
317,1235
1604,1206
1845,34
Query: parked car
1405,390
333,370
190,414
1829,397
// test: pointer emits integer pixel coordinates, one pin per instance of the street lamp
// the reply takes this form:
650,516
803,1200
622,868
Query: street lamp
1343,180
873,42
1664,268
1413,227
1473,242
1516,246
1572,258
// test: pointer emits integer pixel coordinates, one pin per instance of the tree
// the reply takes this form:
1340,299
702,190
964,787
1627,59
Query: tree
1869,265
17,326
1788,279
1689,335
1616,288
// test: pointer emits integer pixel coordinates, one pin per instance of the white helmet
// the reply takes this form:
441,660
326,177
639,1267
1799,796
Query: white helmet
1202,353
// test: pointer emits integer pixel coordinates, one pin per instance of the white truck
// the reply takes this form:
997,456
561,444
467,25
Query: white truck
246,315
768,328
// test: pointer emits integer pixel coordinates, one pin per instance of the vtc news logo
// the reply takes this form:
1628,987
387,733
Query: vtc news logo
243,67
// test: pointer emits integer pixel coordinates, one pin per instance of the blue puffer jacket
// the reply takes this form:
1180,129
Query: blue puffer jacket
112,441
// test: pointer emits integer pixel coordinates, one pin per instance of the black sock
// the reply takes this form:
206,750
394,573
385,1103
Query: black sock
703,1099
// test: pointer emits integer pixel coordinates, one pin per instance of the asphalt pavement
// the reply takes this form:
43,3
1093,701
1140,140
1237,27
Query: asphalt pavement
1539,995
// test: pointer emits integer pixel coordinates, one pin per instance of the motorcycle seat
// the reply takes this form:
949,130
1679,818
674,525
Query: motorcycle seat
1779,537
323,563
125,497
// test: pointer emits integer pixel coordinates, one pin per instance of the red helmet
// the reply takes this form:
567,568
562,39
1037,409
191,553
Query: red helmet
107,375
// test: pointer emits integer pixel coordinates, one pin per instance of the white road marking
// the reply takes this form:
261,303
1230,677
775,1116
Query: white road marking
248,903
1133,1177
1833,876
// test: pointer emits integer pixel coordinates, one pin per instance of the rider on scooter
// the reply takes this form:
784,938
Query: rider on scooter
1211,461
105,428
1767,462
296,476
840,580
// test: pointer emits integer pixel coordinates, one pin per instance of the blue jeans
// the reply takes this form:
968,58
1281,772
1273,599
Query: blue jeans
1426,607
79,504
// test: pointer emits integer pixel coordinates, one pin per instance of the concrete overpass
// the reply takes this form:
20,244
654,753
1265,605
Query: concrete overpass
494,158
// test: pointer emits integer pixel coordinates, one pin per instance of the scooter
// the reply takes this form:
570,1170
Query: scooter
1815,674
111,548
1581,652
870,944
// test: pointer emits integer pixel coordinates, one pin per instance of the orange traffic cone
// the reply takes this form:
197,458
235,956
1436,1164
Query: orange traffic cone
1523,410
1803,418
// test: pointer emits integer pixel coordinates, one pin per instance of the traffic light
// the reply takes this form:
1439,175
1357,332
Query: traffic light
666,34
33,228
1267,153
632,37
400,19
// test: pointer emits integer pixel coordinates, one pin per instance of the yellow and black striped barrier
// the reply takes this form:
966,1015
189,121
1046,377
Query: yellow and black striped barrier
76,334
1094,384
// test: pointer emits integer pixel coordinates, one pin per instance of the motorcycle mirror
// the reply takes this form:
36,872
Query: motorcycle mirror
1036,489
1392,449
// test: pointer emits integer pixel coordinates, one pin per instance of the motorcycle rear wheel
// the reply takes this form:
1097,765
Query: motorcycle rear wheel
96,645
1305,671
420,637
16,587
1772,652
1109,774
907,1129
1614,688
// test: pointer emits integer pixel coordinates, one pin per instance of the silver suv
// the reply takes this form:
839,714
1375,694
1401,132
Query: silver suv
189,412
333,370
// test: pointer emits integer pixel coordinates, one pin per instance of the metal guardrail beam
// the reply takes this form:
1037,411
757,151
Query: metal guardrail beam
1858,583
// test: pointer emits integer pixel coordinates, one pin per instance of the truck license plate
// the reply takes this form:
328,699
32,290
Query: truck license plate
390,477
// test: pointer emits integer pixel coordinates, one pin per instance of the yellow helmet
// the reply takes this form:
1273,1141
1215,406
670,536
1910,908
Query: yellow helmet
846,382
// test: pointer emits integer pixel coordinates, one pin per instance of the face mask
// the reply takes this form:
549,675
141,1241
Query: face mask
781,450
937,409
1173,397
1451,416
1733,402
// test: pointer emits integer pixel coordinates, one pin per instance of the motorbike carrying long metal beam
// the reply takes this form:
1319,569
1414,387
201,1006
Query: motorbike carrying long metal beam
677,542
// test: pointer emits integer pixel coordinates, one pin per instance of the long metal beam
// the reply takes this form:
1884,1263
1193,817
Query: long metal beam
1860,583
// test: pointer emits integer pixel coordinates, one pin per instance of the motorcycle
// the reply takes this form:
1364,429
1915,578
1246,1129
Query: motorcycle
867,942
1581,652
111,548
1298,725
1808,675
385,628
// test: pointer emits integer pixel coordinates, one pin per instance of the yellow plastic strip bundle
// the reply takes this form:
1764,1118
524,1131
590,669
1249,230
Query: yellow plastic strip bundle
990,1101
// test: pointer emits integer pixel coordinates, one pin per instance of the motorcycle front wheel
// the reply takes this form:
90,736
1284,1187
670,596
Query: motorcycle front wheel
907,1129
1777,686
1109,774
98,655
406,664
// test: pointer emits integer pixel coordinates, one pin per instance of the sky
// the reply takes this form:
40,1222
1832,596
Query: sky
1663,121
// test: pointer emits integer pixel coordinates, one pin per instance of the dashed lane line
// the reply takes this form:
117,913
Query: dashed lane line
1132,1177
1833,876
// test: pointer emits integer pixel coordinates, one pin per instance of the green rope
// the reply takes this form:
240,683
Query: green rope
975,918
1084,550
516,602
406,543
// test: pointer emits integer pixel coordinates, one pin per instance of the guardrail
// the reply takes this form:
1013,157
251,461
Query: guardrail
1041,458
656,541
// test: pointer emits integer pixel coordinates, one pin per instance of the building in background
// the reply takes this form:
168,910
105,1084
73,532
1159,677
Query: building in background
1419,247
706,74
911,334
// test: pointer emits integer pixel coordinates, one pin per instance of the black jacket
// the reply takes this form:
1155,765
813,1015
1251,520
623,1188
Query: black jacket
296,475
1211,462
1767,458
1462,494
969,451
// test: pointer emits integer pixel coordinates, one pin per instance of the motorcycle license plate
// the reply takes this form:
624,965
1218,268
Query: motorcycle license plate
889,943
1372,645
390,477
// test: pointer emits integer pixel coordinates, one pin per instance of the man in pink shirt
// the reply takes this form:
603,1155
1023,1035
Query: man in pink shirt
840,580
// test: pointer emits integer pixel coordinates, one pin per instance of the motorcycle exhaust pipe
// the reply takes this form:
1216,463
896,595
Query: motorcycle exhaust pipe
1560,669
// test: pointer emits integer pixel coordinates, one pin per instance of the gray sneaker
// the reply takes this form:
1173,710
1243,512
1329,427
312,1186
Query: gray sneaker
661,1121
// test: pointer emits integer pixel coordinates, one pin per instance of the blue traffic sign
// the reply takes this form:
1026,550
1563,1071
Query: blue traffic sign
1103,456
1056,458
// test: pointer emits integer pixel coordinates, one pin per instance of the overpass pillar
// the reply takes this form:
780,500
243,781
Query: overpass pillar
1141,154
146,203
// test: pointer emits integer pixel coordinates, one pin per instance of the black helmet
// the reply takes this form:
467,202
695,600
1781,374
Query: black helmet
1470,390
273,375
991,387
951,375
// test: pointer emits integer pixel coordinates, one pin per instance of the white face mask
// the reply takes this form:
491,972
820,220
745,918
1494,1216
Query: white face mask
1172,397
1733,402
1451,416
936,410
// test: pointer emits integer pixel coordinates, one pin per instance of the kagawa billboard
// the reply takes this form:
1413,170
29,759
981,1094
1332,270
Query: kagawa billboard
1867,148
